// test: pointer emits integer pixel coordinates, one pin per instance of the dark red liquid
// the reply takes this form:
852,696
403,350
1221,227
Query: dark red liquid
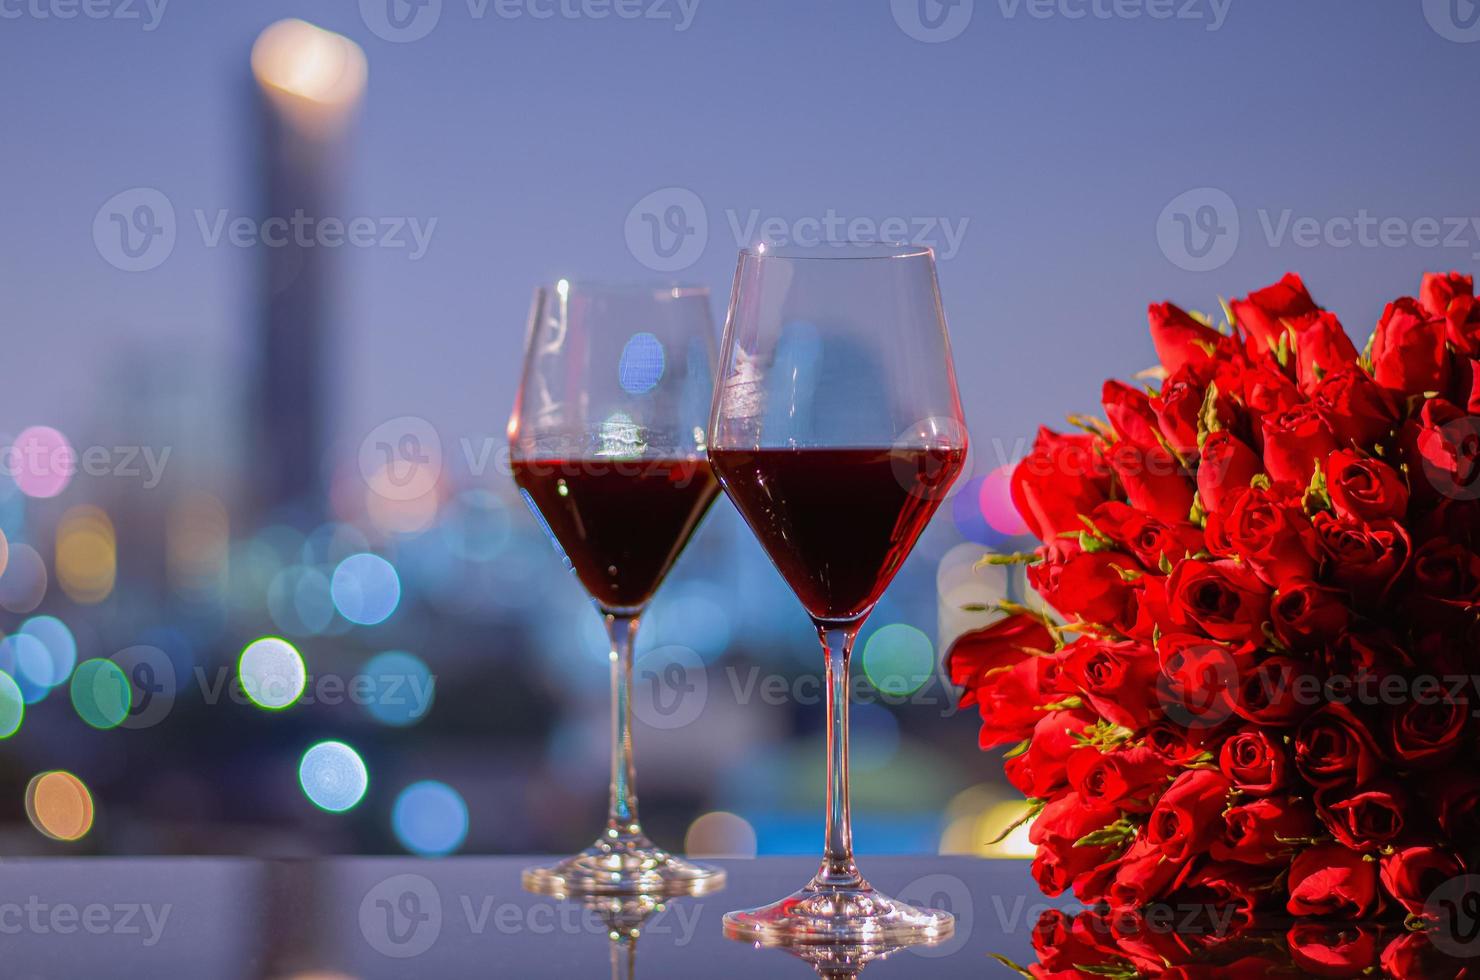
621,524
838,523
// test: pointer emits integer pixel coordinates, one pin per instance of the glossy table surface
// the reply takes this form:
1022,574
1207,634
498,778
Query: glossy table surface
458,917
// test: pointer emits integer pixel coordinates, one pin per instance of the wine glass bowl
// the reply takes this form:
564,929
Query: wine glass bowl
607,445
837,430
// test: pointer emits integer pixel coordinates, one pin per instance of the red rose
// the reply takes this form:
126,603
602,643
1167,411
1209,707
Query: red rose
1126,778
1064,821
1333,747
1150,540
1455,796
1365,820
1408,353
1002,668
1359,411
1117,679
1306,615
1265,831
1189,814
1255,761
1178,409
1445,570
1452,298
1269,531
1321,347
1200,680
1263,312
1143,874
1130,413
1060,479
1179,339
1439,290
1295,442
1330,880
1276,693
1042,770
1154,480
1325,950
1426,731
1447,444
1411,874
1223,599
1364,558
1227,467
1364,489
1084,584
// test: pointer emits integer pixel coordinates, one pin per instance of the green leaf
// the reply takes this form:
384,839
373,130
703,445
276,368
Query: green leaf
1121,971
1017,749
1207,415
1014,558
1035,807
1022,971
1109,836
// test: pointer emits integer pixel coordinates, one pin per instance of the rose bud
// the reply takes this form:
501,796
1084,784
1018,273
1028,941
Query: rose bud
1306,615
1003,669
1057,946
1042,770
1267,530
1084,584
1277,693
1323,950
1224,599
1261,313
1321,347
1154,480
1408,354
1150,540
1255,762
1266,831
1266,391
1178,409
1130,413
1426,732
1199,680
1189,814
1068,817
1366,820
1060,479
1227,467
1363,558
1411,874
1143,874
1364,489
1295,442
1333,747
1181,340
1359,411
1446,445
1439,290
1117,679
1331,880
1126,778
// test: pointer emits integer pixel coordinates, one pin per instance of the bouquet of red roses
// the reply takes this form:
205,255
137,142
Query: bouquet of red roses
1266,570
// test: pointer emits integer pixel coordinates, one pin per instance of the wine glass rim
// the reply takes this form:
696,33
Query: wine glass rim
615,287
839,250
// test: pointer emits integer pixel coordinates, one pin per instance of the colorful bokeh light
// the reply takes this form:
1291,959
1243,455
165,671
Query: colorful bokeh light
995,500
641,366
41,461
430,818
12,706
898,659
397,688
59,805
272,673
101,694
366,589
333,776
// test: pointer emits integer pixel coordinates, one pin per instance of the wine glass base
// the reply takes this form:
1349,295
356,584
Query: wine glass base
625,865
838,915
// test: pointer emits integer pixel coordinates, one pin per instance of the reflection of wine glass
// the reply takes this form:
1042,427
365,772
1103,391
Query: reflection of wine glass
836,431
607,444
624,917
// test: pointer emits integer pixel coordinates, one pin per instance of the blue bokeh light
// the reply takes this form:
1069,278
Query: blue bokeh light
333,776
430,818
366,589
397,688
641,366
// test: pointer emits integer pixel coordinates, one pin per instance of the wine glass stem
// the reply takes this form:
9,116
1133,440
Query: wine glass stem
621,816
838,869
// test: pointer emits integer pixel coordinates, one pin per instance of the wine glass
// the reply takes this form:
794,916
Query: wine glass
607,446
837,431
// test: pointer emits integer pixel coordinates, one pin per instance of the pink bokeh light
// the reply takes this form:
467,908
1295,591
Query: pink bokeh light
41,461
996,503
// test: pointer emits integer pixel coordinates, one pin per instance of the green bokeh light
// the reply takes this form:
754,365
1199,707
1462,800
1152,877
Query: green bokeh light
101,693
898,660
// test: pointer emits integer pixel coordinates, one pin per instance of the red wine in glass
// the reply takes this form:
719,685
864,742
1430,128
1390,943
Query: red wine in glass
837,523
836,431
621,524
607,444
